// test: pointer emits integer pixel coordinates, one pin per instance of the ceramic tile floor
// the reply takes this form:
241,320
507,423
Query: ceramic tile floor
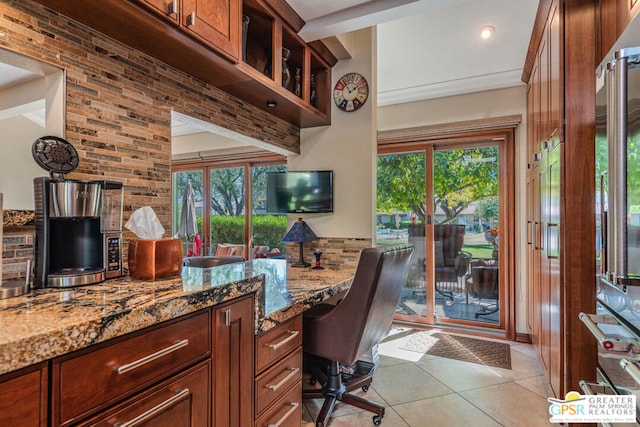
421,390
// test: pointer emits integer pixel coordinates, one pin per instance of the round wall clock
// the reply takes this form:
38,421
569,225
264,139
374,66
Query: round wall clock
351,92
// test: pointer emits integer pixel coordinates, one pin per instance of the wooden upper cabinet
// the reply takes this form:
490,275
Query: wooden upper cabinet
216,22
204,38
167,9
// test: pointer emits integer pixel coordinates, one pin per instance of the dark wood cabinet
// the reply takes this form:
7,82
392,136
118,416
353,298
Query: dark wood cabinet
125,366
612,18
278,375
181,401
23,397
167,9
215,22
233,329
204,39
544,191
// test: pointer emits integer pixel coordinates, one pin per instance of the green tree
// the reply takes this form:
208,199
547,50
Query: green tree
460,177
227,191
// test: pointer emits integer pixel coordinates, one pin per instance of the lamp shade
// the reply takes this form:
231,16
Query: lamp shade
300,232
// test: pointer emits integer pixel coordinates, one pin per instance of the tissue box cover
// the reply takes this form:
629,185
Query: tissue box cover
155,259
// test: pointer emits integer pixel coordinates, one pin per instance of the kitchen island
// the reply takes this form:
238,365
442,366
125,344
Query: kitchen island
51,322
189,350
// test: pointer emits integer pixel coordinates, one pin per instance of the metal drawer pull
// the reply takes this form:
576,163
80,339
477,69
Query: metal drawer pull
609,343
191,19
173,7
631,368
293,405
145,416
133,365
282,382
292,335
586,388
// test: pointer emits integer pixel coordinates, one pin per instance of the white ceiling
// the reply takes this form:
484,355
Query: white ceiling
431,48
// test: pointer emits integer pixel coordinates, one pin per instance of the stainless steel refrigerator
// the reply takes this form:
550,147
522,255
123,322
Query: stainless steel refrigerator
616,321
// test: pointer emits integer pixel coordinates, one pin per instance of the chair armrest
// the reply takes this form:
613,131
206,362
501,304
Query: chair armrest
461,264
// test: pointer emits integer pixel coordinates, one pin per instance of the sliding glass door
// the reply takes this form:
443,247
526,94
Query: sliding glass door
456,274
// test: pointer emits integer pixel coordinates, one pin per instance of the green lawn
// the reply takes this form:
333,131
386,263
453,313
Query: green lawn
479,251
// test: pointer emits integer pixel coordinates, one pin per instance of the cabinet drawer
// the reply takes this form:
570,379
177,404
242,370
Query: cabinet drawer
271,346
23,397
277,380
87,382
286,412
183,401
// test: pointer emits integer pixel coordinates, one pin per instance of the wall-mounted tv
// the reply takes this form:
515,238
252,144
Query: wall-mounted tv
300,192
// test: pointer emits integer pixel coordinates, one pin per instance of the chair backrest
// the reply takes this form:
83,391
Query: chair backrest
452,238
484,280
364,315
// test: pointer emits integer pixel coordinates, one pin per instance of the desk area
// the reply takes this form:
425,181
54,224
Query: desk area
49,322
215,333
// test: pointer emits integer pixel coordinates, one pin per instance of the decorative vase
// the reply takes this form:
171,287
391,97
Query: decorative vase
297,88
318,254
245,29
286,73
267,67
312,94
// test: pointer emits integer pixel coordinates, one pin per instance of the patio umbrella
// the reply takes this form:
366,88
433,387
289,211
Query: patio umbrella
188,226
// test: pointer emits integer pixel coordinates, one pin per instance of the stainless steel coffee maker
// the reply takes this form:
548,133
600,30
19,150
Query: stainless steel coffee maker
78,223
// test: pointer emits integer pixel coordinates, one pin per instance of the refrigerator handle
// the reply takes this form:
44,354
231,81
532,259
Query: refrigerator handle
604,265
618,174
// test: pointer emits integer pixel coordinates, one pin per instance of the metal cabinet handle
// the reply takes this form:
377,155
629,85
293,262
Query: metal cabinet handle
631,368
293,405
292,335
553,245
133,365
145,416
226,317
608,343
173,7
191,19
586,388
529,232
283,381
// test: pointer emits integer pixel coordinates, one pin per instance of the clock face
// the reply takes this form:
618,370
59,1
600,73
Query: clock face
351,92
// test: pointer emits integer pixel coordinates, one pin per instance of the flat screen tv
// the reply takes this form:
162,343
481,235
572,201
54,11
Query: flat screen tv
300,192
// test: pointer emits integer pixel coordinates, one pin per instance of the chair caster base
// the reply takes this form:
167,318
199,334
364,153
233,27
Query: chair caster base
377,420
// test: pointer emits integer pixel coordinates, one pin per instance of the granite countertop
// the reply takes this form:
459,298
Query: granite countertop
51,322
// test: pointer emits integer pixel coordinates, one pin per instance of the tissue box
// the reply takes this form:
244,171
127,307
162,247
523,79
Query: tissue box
155,259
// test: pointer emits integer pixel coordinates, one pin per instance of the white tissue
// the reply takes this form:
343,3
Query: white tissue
145,224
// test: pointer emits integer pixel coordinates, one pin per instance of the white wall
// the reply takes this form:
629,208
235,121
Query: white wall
481,105
348,147
17,167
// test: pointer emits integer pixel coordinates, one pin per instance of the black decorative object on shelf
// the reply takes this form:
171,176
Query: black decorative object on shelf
245,30
286,73
269,64
297,88
312,95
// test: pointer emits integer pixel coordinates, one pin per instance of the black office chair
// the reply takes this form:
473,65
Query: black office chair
340,334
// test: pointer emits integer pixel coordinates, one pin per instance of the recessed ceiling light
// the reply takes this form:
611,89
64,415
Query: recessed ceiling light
487,32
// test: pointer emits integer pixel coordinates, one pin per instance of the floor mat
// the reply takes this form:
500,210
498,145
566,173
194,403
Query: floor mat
467,349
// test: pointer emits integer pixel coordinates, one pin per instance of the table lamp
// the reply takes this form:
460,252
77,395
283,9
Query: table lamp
300,232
